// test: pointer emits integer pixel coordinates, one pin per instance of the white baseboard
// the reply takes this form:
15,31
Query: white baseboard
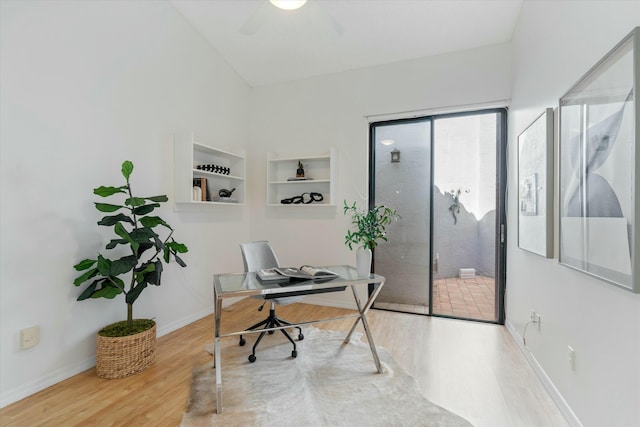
26,390
562,404
180,323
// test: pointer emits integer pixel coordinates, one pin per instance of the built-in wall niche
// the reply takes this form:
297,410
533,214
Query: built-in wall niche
305,180
205,175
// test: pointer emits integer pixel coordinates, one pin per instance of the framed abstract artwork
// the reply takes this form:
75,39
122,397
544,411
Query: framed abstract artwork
535,186
599,198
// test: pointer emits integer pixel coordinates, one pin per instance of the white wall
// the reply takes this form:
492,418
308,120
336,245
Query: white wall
86,85
555,43
309,116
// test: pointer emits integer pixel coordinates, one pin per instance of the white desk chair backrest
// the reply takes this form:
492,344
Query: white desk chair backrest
258,255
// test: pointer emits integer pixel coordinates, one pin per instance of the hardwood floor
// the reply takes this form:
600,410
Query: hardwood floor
472,369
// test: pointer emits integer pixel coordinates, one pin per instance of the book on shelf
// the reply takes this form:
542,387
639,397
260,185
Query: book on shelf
202,183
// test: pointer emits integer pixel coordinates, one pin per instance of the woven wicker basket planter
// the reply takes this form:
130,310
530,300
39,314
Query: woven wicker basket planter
119,357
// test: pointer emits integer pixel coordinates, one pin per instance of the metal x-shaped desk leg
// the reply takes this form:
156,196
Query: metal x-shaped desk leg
363,317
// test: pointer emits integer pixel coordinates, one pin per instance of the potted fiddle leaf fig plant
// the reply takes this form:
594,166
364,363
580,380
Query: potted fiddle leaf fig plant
369,226
143,242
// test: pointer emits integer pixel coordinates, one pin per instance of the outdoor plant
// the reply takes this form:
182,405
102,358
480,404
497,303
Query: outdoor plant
139,233
369,226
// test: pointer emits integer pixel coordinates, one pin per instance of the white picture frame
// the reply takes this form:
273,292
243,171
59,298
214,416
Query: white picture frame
535,186
599,155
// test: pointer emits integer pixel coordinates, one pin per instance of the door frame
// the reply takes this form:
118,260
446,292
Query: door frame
501,181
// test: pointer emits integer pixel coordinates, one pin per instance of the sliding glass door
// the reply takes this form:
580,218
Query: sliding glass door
445,177
401,174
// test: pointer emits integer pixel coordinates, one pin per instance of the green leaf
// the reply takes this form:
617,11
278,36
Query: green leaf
166,255
143,248
177,247
143,235
120,231
143,210
152,221
84,264
127,168
117,282
159,244
115,242
108,191
89,290
123,265
179,260
160,199
107,291
134,293
105,207
104,265
134,201
153,273
111,220
86,276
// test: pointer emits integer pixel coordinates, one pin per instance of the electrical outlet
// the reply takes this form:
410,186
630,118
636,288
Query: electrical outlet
532,315
571,358
537,319
29,337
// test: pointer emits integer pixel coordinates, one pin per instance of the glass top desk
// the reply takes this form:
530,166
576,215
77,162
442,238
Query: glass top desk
247,284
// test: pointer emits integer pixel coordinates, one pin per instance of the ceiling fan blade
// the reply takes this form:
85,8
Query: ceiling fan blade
335,25
325,17
253,23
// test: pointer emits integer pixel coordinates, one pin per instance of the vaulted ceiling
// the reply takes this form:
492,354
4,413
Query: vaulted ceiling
266,45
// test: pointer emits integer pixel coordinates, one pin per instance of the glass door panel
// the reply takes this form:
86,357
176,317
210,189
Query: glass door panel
401,175
465,184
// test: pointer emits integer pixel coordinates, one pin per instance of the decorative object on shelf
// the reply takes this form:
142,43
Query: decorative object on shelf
226,193
300,170
600,169
535,178
296,200
128,347
197,194
194,158
204,189
455,206
320,176
395,156
370,226
222,170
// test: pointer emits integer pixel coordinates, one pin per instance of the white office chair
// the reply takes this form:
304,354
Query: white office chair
256,256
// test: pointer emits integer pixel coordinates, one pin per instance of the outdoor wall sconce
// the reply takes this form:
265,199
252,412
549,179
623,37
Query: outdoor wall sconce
395,156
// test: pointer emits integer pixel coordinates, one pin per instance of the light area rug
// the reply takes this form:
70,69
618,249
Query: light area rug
329,384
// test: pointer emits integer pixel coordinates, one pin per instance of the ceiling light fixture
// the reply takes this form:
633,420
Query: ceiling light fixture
288,4
387,142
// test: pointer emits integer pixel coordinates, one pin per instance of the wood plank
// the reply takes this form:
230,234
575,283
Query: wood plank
473,369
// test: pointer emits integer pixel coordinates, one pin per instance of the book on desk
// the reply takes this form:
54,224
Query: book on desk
286,274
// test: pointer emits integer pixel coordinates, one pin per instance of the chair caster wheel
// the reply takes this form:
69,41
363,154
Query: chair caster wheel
242,342
271,332
300,337
252,358
294,353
